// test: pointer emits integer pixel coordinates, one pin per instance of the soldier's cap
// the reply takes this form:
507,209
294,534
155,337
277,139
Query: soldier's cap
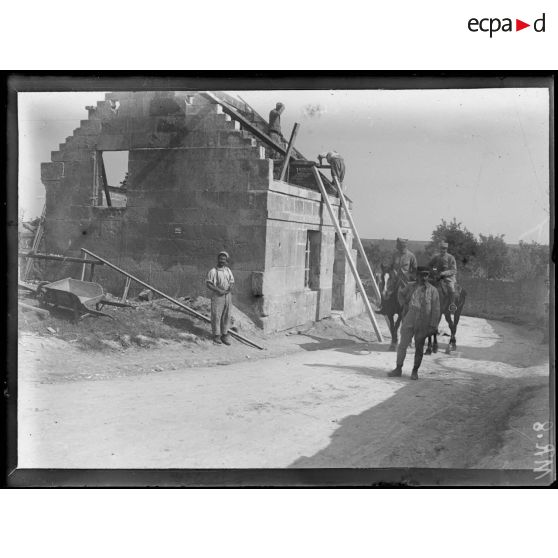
402,240
423,270
444,245
223,253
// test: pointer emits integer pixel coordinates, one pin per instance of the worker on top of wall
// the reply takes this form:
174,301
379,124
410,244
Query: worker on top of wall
220,282
337,165
421,304
444,268
275,124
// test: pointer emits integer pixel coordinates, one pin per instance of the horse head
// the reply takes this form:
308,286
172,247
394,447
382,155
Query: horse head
387,281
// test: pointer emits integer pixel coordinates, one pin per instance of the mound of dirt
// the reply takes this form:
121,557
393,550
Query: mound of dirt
239,320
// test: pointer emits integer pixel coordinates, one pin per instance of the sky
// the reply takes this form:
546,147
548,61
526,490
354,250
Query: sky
413,157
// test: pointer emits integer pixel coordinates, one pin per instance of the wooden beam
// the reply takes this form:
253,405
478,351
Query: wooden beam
357,238
29,308
249,126
104,180
57,258
126,289
117,189
289,151
348,255
245,122
160,293
83,267
36,242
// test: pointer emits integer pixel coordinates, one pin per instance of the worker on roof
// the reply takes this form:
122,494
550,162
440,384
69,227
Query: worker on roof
337,165
220,282
275,124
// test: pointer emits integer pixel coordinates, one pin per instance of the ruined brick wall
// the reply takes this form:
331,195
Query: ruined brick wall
196,184
189,193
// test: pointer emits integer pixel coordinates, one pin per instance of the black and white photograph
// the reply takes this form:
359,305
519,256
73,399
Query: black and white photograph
319,275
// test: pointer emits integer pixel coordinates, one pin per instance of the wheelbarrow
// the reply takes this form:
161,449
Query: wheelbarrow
83,298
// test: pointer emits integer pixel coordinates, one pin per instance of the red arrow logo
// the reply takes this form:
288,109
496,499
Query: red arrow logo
519,25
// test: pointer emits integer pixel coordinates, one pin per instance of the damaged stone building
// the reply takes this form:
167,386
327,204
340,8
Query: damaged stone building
190,180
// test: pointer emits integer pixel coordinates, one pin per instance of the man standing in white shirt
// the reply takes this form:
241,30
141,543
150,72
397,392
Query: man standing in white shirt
220,282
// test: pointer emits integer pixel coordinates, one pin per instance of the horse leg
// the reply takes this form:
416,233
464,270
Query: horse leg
451,344
435,343
429,346
453,340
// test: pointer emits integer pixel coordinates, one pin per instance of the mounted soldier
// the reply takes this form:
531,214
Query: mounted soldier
403,266
444,271
394,277
403,261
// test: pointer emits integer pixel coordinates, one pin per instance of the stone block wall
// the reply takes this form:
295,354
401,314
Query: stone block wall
286,302
196,184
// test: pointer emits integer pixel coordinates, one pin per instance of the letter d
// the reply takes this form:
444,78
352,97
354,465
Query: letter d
535,25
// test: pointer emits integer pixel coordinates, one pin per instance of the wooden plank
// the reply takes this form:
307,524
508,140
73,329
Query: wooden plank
126,288
348,255
57,258
83,268
289,151
117,189
36,242
174,301
104,180
29,308
245,122
357,237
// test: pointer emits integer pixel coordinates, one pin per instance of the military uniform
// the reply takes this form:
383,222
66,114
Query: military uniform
446,267
421,319
405,264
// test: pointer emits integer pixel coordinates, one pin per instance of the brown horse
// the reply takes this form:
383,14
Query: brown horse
389,284
445,301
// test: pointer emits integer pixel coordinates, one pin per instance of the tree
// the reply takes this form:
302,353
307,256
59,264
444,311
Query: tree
377,256
492,256
529,260
462,243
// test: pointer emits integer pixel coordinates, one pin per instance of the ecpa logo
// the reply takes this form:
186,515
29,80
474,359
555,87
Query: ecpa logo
494,24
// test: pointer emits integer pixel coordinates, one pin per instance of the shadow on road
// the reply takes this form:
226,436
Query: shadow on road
362,371
342,345
514,345
428,423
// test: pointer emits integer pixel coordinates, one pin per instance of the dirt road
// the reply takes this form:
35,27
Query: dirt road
315,402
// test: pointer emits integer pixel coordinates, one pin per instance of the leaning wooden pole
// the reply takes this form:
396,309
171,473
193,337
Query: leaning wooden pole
285,167
348,255
174,301
357,238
